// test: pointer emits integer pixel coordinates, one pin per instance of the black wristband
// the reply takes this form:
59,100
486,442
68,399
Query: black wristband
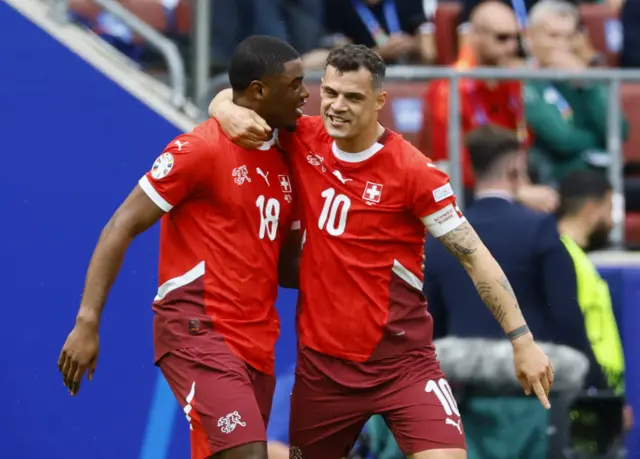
518,332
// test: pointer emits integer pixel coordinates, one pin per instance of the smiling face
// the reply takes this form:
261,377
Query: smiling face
350,103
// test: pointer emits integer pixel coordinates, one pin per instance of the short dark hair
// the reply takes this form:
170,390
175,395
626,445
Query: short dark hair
351,58
579,187
487,145
257,57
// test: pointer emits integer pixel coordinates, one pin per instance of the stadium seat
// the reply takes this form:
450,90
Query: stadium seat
85,8
446,22
630,97
632,229
183,17
150,11
595,18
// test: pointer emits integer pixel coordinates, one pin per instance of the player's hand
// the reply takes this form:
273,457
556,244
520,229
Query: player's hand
533,368
79,354
538,197
242,125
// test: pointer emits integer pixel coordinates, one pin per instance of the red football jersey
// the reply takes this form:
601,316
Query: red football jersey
228,213
364,218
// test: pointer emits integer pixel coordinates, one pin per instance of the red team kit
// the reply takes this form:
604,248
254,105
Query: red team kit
365,335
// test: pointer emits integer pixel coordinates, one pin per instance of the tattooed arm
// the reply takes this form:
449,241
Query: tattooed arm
490,281
532,366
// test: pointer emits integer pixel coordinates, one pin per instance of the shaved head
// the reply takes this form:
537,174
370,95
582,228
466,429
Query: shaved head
493,34
488,13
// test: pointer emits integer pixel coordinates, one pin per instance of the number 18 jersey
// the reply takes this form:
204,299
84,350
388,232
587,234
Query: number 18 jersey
229,211
362,215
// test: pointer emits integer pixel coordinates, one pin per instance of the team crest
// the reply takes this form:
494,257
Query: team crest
162,166
372,193
229,422
316,160
240,174
288,198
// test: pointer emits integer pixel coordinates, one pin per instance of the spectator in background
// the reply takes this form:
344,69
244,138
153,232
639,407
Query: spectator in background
540,270
630,18
584,222
493,43
399,30
582,42
299,22
568,119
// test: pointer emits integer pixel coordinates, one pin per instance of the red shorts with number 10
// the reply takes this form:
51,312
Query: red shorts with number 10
332,400
226,401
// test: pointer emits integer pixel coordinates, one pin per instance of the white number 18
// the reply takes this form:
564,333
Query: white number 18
269,215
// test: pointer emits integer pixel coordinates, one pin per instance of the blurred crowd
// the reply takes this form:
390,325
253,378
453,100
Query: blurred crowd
534,162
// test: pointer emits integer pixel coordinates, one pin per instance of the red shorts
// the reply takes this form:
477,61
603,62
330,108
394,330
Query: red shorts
327,417
226,402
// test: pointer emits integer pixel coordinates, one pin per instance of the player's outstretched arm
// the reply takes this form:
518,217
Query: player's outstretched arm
242,125
533,368
80,351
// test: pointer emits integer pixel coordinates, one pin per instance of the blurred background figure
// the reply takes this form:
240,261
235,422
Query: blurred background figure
584,222
527,245
493,42
568,120
401,31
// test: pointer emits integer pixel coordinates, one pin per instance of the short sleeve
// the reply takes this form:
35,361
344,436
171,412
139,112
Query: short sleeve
431,197
177,173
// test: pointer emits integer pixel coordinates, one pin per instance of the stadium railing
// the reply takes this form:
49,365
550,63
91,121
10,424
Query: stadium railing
612,77
168,49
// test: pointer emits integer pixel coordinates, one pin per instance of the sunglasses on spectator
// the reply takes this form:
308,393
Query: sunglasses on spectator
504,37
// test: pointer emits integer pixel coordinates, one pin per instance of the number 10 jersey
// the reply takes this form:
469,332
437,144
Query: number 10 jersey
363,217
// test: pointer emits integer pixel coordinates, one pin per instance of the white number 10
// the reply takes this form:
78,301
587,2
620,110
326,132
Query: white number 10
269,215
442,391
332,205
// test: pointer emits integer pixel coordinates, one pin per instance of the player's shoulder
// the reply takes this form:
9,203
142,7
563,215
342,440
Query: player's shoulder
412,162
311,128
404,152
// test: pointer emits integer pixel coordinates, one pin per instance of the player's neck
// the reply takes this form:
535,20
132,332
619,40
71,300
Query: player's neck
242,101
361,143
573,229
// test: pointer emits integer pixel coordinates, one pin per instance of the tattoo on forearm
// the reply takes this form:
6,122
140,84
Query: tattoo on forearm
488,296
461,242
504,283
518,332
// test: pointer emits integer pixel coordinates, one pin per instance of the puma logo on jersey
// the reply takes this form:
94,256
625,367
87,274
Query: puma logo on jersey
263,175
180,144
339,176
457,425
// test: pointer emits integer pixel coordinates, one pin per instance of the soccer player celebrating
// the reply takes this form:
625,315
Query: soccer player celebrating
367,198
226,214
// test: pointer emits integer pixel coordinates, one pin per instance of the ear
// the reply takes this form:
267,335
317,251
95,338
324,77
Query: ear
381,99
258,90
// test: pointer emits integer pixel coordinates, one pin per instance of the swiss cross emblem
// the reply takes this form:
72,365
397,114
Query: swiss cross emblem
372,192
285,183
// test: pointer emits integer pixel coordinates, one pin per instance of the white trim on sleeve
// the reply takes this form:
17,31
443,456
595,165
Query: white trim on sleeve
150,191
